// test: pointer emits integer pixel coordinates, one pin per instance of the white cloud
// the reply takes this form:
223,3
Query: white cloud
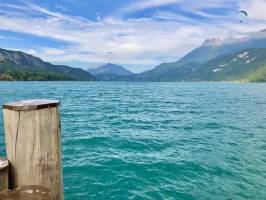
53,51
124,41
204,4
145,4
9,38
30,51
256,8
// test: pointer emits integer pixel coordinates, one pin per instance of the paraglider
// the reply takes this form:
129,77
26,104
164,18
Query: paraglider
242,13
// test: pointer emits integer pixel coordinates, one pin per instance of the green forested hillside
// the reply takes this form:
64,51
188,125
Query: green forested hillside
216,61
245,65
15,65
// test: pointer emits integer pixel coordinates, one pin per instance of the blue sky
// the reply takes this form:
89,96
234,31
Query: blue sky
137,34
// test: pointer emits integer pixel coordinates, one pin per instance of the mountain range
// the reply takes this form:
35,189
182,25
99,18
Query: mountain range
236,60
242,59
16,65
111,72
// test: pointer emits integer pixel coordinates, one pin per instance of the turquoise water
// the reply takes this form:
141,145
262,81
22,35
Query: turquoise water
157,140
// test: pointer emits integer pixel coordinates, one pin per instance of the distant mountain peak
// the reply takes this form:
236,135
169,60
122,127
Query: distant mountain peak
214,42
110,68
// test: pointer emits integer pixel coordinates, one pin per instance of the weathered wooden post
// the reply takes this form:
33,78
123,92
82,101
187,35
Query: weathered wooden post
33,144
3,174
27,193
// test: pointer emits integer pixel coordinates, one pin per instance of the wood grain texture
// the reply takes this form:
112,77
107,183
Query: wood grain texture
33,145
32,104
4,166
27,193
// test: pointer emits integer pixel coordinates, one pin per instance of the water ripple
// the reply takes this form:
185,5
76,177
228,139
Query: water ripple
157,140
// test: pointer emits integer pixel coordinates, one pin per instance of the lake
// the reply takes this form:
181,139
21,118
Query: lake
124,140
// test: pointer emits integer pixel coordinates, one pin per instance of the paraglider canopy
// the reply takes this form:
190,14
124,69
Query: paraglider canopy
243,14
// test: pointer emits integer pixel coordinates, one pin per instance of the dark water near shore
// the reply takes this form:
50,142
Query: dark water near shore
157,140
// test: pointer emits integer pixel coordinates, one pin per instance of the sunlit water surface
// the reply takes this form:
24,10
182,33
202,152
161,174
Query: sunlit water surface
157,140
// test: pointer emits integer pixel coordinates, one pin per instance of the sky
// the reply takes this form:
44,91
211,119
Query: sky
137,34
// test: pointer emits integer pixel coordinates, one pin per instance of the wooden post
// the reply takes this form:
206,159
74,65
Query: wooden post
33,144
27,193
3,174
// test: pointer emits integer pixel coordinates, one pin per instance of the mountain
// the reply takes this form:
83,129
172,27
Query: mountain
195,65
16,65
246,65
242,59
111,72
